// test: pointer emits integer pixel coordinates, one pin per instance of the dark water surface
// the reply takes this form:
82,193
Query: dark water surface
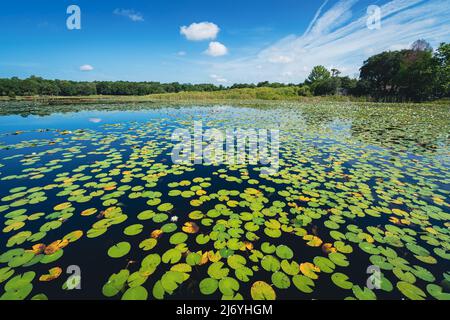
357,186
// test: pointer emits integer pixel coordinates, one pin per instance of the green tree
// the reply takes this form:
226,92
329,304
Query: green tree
416,78
348,85
326,87
380,72
442,62
335,72
318,73
421,45
408,75
49,88
304,91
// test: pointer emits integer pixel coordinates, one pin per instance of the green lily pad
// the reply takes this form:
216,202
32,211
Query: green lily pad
148,244
18,287
341,280
116,283
178,238
262,291
216,270
5,273
303,283
171,280
363,293
165,207
284,252
171,256
438,292
228,286
236,261
119,250
133,230
135,293
411,291
270,263
208,286
324,264
281,280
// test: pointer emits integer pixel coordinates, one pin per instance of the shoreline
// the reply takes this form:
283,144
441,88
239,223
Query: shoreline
198,98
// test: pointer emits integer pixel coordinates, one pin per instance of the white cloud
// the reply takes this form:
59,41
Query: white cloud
340,13
338,37
181,53
219,79
86,67
280,59
200,31
130,14
399,46
216,49
317,15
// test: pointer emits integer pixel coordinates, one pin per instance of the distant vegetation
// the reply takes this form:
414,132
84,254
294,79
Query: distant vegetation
416,74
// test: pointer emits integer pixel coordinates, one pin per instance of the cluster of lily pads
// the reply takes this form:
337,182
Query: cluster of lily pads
337,206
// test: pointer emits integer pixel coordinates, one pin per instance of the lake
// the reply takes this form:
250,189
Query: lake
93,206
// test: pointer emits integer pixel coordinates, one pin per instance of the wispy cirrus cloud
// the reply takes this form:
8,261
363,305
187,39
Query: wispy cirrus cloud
130,14
338,37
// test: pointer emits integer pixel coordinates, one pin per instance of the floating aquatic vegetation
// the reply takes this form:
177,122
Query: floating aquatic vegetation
357,187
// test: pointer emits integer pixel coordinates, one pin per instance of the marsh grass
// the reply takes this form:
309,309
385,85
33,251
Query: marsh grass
255,94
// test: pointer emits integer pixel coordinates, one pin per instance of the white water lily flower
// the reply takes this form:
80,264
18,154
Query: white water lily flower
174,219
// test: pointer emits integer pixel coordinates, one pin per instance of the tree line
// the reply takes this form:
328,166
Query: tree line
416,74
39,86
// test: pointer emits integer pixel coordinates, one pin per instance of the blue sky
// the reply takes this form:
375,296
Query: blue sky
223,41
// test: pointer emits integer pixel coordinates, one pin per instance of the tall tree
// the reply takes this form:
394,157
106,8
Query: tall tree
421,45
318,73
380,72
335,72
416,78
442,60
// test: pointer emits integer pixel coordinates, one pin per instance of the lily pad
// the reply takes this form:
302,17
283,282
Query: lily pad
262,291
119,250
